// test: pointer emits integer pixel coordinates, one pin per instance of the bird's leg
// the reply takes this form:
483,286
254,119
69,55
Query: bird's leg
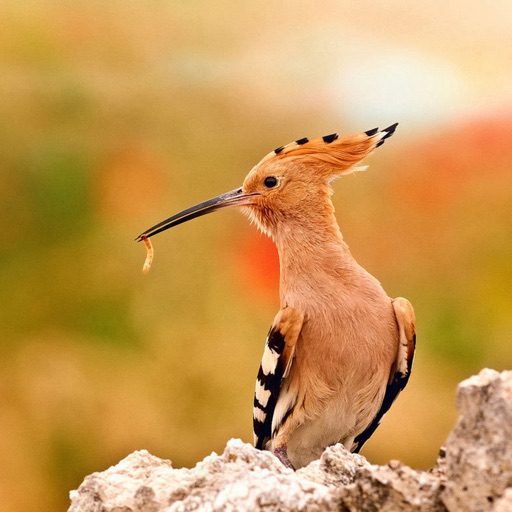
282,455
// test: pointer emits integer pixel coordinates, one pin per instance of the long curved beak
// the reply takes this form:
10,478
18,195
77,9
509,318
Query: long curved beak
233,198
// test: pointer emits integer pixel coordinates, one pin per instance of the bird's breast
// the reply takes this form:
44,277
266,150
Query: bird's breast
347,337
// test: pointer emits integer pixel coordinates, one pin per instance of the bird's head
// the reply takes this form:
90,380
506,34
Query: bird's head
290,183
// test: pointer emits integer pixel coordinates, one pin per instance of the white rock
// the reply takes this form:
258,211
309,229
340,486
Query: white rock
479,449
474,473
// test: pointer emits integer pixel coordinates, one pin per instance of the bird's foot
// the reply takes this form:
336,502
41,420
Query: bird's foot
282,455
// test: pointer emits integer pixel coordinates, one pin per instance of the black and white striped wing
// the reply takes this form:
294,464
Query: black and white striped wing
275,366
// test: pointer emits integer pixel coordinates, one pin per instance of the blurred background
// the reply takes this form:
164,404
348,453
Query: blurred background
114,115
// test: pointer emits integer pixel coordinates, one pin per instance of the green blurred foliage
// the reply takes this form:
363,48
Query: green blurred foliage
112,117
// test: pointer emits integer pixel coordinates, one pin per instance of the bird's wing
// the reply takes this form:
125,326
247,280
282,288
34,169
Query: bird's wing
401,369
275,366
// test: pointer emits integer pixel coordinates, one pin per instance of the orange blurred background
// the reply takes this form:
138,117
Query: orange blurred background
115,115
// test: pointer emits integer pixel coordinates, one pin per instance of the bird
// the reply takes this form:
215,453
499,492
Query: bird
340,350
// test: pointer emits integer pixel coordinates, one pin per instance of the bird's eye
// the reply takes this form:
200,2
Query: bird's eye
271,182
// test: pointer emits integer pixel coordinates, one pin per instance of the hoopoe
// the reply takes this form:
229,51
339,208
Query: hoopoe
339,350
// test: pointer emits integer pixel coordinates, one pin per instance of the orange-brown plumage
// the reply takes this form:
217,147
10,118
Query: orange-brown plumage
339,350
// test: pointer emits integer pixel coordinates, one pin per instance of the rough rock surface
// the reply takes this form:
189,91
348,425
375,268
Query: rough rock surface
474,473
479,449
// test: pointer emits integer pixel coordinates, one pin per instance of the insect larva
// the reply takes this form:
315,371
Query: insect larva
149,255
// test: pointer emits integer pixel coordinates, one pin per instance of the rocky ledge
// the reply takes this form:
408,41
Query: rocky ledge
473,473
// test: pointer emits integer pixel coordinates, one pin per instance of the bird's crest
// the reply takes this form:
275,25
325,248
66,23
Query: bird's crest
336,155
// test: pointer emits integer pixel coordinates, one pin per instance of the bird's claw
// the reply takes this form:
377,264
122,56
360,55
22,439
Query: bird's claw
282,455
